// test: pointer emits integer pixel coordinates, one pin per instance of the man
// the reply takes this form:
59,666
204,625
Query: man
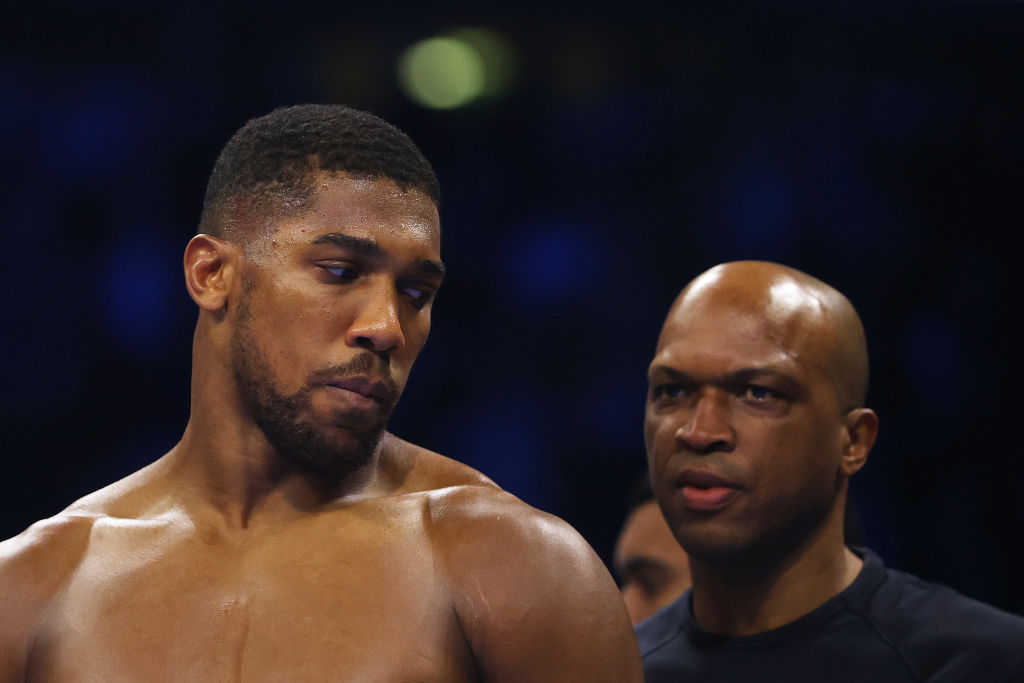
755,422
287,536
652,568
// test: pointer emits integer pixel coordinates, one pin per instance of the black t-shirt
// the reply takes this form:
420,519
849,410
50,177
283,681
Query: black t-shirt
886,626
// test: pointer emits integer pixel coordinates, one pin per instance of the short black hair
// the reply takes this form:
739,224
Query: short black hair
264,170
641,492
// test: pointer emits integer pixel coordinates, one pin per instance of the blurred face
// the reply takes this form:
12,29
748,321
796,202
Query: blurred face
334,308
743,427
653,568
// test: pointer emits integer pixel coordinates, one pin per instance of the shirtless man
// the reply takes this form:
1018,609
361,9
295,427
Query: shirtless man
287,536
755,422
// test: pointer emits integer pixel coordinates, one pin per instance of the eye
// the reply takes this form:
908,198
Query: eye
650,585
418,296
667,391
340,271
759,394
648,576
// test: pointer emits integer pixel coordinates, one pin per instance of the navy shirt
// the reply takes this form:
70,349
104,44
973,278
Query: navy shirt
886,626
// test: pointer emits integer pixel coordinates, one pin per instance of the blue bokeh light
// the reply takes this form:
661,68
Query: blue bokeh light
552,262
101,129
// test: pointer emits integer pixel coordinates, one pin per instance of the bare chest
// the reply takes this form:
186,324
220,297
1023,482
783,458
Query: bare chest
314,604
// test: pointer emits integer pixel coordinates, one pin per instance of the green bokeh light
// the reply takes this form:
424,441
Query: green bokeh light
441,73
496,54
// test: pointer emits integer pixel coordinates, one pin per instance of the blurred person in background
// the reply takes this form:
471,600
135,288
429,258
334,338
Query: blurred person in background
755,422
288,536
653,570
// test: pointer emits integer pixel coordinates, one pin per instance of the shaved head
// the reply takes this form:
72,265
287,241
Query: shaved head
755,419
806,315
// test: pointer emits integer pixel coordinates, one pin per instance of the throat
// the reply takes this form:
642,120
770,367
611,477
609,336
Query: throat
233,490
741,603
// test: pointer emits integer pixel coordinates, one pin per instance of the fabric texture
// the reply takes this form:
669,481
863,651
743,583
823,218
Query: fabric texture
886,626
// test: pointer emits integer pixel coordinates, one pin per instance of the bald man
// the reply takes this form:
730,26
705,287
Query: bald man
755,422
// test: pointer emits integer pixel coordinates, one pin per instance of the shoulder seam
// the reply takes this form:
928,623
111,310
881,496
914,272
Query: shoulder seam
884,638
666,638
665,641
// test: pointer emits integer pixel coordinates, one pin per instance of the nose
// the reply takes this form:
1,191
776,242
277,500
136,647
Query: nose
707,428
377,326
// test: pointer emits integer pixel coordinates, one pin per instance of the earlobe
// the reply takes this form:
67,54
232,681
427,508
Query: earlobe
861,427
209,269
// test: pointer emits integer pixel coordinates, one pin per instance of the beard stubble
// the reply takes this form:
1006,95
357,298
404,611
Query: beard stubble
284,420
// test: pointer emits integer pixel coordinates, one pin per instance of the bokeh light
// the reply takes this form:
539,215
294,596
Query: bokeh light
461,67
441,73
496,54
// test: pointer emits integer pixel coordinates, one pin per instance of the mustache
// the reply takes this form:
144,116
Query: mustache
364,364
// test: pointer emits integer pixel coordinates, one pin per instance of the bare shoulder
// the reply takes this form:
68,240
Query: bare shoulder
414,469
34,566
39,557
44,548
468,510
36,562
533,599
487,515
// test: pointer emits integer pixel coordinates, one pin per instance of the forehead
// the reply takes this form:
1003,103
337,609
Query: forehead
728,332
644,524
377,209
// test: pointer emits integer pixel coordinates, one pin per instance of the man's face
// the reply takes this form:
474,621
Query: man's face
334,308
743,427
653,568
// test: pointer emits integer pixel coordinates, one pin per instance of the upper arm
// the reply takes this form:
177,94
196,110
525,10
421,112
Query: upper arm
33,567
533,599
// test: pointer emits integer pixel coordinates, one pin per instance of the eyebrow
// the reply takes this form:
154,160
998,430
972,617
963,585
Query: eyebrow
361,245
640,563
740,376
370,249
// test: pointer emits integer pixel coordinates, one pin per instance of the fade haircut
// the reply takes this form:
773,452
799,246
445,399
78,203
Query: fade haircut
265,170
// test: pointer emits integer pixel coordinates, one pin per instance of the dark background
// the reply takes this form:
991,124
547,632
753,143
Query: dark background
877,148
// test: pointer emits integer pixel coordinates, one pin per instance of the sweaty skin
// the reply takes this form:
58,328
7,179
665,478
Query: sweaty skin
754,425
225,561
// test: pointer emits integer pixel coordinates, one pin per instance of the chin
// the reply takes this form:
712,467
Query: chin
332,451
714,545
708,550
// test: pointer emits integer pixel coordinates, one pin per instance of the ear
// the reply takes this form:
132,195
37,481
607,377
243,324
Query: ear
859,433
210,267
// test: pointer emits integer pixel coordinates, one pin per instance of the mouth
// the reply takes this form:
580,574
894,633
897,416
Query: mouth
378,392
704,491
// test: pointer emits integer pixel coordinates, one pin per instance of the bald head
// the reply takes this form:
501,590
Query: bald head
807,317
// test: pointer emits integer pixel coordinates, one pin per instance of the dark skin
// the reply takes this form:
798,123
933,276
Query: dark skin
754,425
224,560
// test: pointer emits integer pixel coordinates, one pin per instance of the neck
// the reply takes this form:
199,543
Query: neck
236,480
753,595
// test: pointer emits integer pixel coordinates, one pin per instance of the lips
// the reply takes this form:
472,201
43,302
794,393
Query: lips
364,388
704,491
